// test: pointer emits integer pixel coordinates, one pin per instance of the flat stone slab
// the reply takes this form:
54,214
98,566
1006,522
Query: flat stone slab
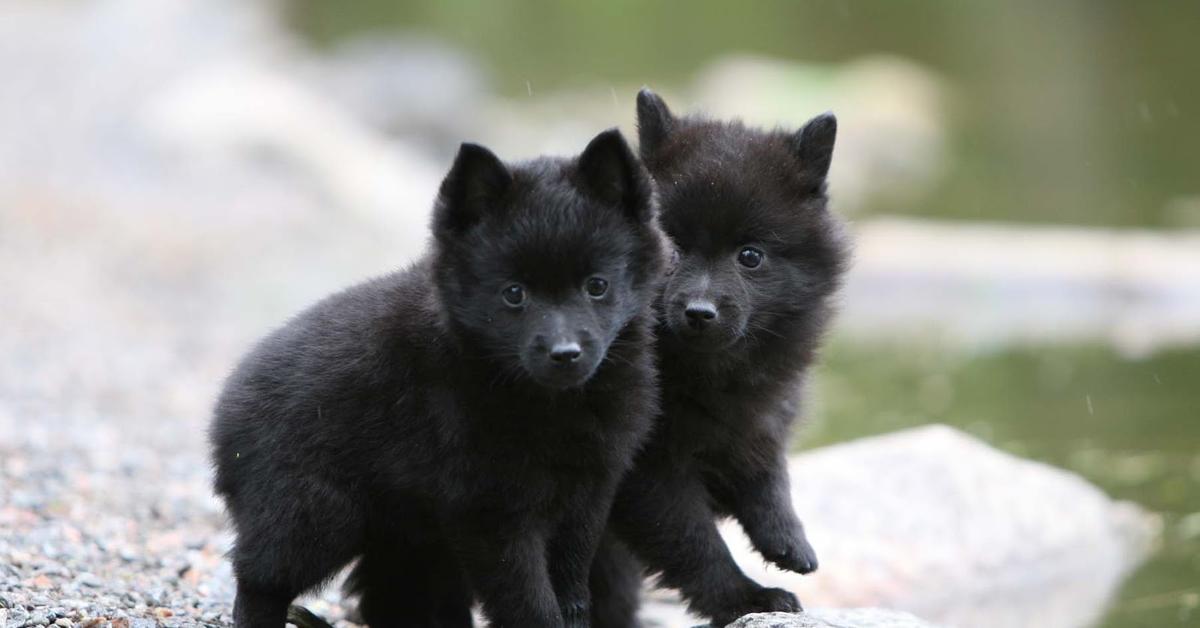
830,618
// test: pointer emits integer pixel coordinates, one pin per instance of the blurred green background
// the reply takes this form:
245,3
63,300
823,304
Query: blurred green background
1074,112
1079,112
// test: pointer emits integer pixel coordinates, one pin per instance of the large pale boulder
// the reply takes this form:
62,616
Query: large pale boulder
936,522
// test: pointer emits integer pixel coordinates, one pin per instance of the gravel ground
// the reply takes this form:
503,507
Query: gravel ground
132,540
118,321
106,535
106,512
117,325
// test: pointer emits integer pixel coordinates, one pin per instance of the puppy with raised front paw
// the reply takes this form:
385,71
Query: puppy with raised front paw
759,256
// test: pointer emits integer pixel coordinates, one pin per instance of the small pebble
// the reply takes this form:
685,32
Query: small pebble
89,580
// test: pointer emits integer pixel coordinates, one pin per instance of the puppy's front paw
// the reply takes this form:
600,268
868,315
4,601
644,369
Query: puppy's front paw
757,600
771,600
794,554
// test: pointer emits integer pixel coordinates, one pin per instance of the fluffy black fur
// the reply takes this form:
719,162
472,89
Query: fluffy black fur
465,443
740,320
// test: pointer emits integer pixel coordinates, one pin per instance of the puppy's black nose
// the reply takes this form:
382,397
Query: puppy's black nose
700,313
565,352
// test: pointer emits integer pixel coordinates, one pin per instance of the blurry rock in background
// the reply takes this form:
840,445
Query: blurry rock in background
891,117
891,132
983,286
406,85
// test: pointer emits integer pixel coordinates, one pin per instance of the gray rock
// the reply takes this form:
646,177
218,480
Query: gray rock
936,522
841,618
408,84
89,580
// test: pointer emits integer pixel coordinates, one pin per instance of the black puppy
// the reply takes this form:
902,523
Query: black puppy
461,425
739,323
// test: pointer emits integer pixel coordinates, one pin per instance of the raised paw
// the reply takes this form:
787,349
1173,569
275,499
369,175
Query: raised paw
794,554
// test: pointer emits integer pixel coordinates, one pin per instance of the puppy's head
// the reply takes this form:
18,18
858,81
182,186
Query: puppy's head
757,248
544,263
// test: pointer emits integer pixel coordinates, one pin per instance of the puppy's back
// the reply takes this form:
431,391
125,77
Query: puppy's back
312,393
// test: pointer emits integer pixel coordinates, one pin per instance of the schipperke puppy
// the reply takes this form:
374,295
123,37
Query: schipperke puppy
759,256
460,425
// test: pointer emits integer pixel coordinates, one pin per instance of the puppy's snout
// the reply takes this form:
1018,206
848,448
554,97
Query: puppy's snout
565,352
700,313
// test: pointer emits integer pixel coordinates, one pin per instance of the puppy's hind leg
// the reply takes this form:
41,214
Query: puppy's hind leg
410,585
287,546
256,608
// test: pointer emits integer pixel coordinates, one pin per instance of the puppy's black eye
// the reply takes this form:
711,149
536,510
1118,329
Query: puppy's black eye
596,287
514,295
750,257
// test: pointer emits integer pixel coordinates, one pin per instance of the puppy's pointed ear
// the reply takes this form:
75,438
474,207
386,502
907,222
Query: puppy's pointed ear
474,186
654,122
610,173
813,145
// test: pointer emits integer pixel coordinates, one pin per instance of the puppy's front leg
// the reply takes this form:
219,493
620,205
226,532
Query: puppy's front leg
506,566
763,505
572,549
662,512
